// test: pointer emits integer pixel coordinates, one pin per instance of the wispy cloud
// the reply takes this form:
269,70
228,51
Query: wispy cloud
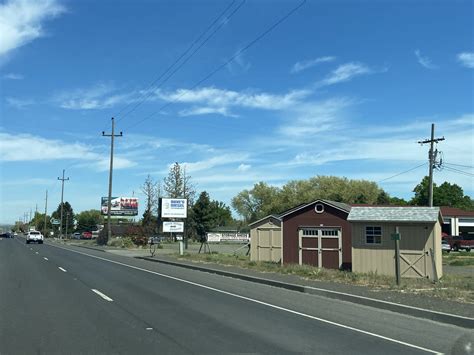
97,97
196,111
216,160
345,72
13,76
306,64
466,59
308,119
244,167
18,148
425,61
220,101
19,103
21,21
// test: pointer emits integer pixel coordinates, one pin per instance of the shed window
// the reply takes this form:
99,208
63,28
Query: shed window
373,235
310,232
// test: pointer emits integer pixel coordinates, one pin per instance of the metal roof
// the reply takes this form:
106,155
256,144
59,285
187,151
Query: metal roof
339,205
394,214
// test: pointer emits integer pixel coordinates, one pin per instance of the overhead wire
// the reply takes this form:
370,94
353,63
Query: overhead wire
403,172
462,172
227,62
148,91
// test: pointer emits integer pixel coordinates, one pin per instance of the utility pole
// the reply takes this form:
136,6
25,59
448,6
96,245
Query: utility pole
109,202
432,159
62,205
45,228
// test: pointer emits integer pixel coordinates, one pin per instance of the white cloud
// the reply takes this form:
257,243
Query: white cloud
466,59
218,160
222,100
424,61
244,167
308,119
21,21
97,97
13,76
30,148
345,72
197,111
19,103
306,64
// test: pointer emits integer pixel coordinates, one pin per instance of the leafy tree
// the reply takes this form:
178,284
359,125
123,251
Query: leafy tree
202,214
421,193
222,215
88,220
178,184
68,216
256,203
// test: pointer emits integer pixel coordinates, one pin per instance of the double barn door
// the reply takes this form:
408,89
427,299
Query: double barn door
321,247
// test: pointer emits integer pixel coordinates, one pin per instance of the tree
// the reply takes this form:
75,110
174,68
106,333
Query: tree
446,194
178,184
256,203
68,216
88,220
202,214
149,189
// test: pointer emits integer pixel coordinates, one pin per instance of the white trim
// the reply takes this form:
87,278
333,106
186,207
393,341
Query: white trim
309,204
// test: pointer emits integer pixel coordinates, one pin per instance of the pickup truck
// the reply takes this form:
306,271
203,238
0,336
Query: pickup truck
34,236
457,243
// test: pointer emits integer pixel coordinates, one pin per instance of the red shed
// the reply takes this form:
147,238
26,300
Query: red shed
318,234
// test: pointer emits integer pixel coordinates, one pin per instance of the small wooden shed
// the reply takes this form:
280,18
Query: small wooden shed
265,239
318,234
373,247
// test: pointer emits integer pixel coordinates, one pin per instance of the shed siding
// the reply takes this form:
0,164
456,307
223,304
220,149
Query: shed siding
307,217
267,235
415,243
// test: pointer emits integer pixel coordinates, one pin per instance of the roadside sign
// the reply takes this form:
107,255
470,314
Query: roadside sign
395,236
55,221
177,227
174,207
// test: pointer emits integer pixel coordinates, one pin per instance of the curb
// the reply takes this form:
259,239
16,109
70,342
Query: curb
460,321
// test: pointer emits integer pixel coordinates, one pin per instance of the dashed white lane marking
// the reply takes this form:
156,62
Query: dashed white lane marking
36,253
257,301
105,297
149,328
46,259
60,268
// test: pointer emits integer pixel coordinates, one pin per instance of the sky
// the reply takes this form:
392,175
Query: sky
237,91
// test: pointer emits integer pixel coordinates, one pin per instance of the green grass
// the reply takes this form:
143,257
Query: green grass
449,287
459,259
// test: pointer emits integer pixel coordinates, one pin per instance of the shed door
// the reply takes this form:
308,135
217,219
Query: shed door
321,247
268,244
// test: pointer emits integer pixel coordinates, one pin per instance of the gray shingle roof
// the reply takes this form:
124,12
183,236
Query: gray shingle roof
394,214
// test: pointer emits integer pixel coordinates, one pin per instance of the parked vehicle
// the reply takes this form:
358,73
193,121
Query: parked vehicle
461,242
87,235
76,235
445,246
34,236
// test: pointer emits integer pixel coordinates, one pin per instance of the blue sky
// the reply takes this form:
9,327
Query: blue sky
341,88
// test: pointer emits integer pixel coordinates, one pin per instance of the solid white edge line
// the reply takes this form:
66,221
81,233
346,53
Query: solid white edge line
387,302
259,302
104,296
60,268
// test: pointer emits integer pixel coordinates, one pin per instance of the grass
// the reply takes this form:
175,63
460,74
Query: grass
449,287
459,259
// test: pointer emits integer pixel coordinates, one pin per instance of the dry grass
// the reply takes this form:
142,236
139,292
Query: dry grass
456,287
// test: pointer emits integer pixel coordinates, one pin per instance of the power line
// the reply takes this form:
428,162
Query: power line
463,166
148,92
462,172
403,172
231,59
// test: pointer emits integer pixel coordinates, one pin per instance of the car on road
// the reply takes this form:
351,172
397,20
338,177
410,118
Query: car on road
6,235
34,236
445,246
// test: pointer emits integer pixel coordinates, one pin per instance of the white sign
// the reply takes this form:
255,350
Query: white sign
228,237
177,227
174,207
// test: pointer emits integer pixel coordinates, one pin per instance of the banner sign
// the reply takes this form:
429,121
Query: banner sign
121,206
174,208
177,227
228,237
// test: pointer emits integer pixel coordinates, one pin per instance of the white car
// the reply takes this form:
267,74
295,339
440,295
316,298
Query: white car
34,236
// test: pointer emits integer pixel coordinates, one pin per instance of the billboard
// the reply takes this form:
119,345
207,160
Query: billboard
174,208
177,227
228,237
120,206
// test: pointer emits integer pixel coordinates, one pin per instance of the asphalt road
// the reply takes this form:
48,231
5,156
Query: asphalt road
65,300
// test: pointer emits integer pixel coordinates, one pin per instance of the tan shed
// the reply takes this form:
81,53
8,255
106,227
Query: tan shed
265,239
373,249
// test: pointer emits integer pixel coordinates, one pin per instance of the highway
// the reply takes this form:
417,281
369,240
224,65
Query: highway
64,300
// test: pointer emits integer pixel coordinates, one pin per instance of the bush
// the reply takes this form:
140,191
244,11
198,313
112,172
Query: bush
102,238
